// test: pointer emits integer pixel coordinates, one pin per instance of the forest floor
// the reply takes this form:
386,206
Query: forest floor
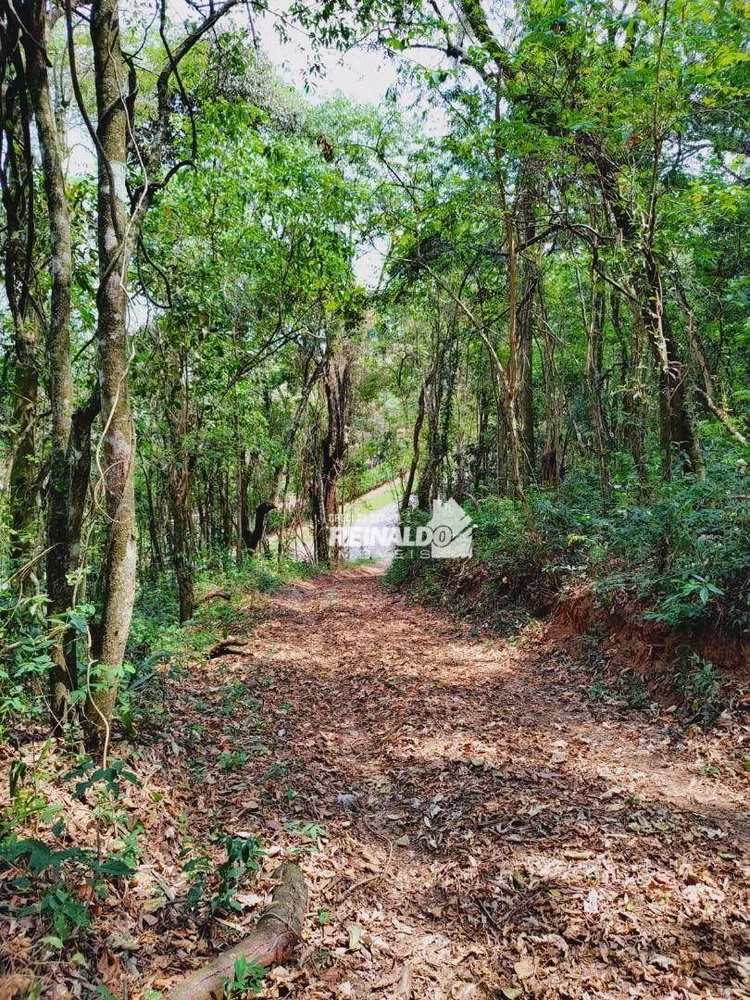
469,822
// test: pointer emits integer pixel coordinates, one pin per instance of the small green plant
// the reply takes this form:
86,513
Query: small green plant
275,771
68,915
599,692
111,777
233,761
307,832
700,682
102,992
244,854
197,868
634,692
247,977
710,770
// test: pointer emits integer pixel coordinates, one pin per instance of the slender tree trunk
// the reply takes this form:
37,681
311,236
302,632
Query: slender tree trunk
530,279
226,512
69,458
320,526
118,577
23,486
182,541
677,430
594,351
426,490
552,459
333,451
633,381
243,509
511,381
409,488
18,201
157,557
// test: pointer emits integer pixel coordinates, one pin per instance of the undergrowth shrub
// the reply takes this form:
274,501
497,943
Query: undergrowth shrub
683,551
25,663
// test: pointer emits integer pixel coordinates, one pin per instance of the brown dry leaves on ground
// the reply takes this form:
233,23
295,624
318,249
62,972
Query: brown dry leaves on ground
469,824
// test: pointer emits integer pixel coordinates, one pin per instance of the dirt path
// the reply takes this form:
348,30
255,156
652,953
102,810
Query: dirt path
470,825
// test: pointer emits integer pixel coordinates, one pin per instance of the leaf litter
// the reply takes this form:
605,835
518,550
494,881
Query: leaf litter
468,823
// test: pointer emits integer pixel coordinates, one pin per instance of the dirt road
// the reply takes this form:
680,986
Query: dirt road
470,823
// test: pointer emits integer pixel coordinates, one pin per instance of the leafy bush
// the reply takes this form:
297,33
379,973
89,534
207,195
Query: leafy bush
47,876
25,644
685,553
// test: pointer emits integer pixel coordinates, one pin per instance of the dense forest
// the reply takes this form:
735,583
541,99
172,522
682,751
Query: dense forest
240,306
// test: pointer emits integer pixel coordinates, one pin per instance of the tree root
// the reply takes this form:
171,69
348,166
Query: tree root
270,943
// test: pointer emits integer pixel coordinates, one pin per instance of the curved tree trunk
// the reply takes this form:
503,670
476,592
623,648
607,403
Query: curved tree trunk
256,536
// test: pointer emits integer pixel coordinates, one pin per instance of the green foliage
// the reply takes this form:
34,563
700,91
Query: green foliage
247,977
25,644
53,875
701,683
244,855
685,555
233,761
222,881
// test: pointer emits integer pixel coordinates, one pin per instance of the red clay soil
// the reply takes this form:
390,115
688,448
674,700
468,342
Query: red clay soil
628,640
470,825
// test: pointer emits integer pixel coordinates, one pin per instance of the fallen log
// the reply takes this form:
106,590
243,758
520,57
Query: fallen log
232,644
270,943
211,595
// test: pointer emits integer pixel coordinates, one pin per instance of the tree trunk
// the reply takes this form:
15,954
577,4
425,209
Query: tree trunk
270,943
118,575
256,536
69,458
157,557
18,201
633,378
426,486
530,279
676,428
594,351
178,484
333,452
23,486
552,459
409,487
511,381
